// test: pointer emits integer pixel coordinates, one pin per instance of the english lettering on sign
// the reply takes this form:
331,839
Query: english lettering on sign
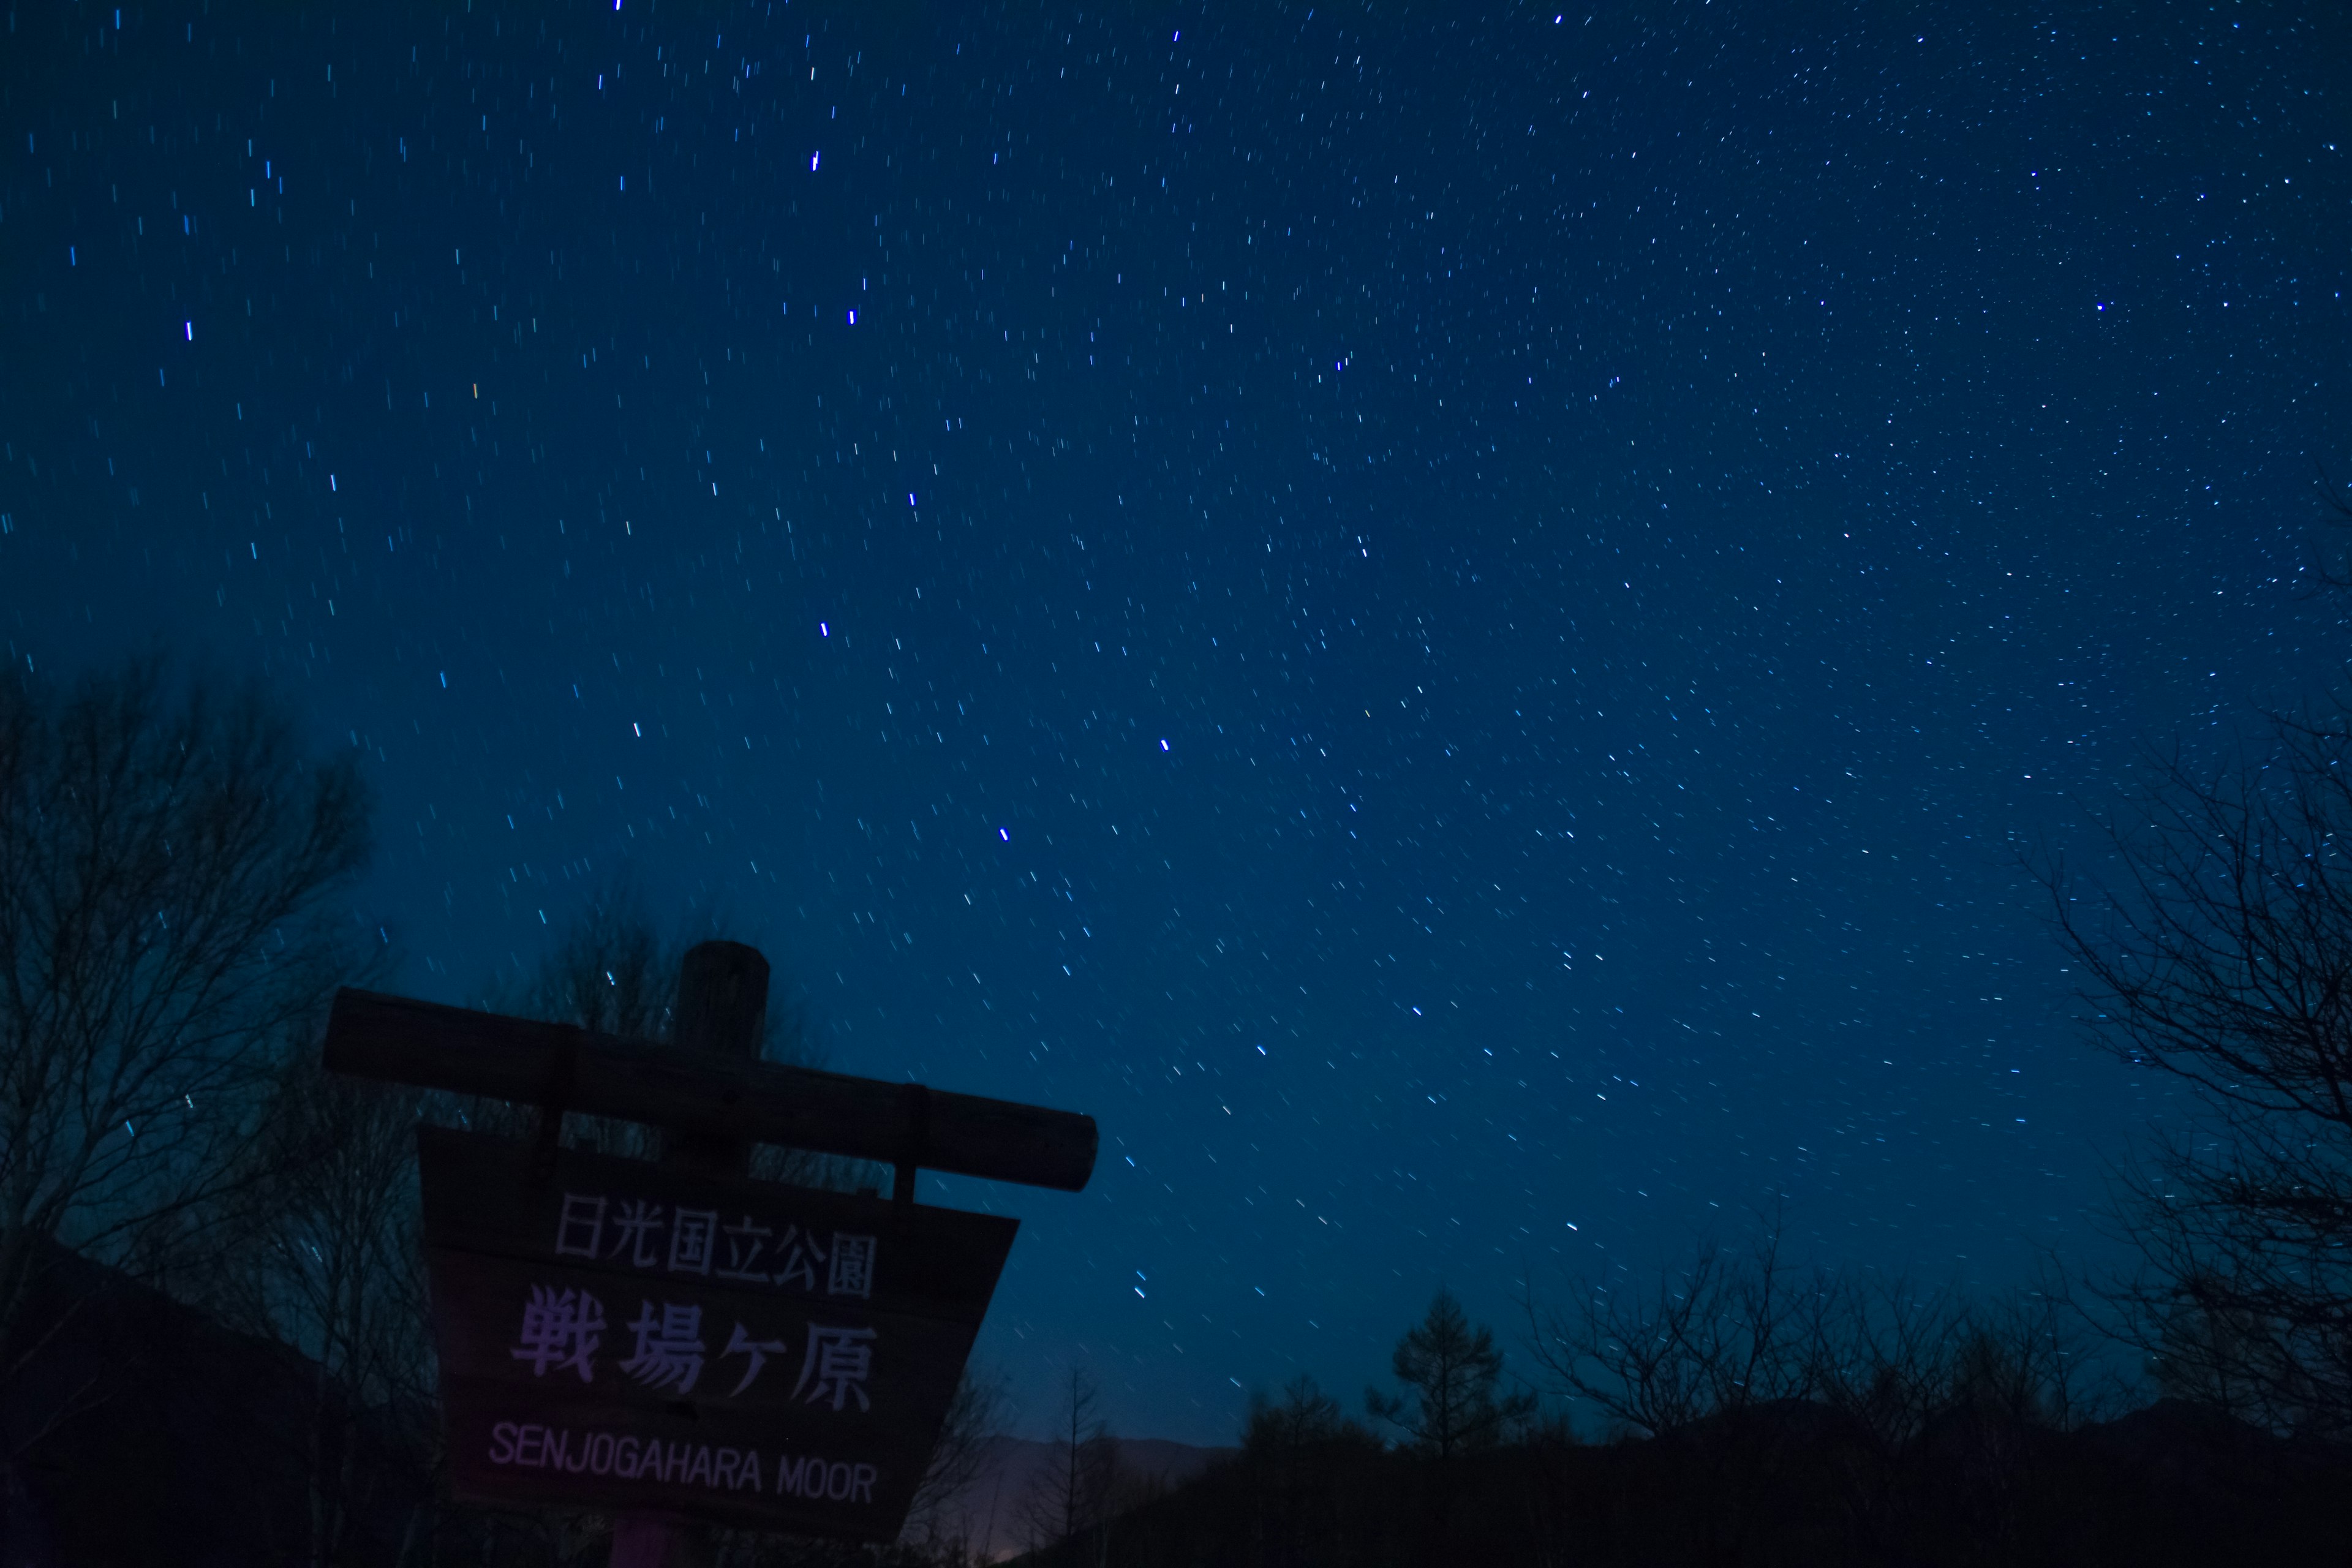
533,1446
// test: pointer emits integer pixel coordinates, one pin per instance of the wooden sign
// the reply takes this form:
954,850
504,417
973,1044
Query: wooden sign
398,1039
674,1341
619,1335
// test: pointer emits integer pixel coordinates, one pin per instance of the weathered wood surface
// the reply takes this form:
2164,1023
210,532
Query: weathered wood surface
739,1281
399,1040
657,1466
776,1407
487,1195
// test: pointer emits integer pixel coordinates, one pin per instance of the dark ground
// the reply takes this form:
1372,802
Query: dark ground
190,1446
1795,1485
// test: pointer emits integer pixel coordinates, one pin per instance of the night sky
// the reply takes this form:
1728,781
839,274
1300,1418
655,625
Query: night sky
1455,623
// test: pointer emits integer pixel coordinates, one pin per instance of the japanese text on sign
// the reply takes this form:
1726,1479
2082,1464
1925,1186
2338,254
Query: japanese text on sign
562,1329
642,1233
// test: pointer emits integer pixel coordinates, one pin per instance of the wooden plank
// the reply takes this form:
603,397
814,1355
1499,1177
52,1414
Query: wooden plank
397,1040
639,1224
908,1371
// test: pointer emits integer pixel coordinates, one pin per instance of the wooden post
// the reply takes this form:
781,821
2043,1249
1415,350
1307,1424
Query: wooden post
722,1010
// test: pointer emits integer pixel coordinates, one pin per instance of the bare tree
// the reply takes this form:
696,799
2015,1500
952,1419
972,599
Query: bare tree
1068,1502
610,969
1886,1396
1728,1332
939,1520
166,863
1305,1417
1297,1450
327,1261
1718,1334
2220,955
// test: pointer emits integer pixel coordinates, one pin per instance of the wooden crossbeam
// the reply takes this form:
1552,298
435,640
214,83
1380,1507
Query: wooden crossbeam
397,1040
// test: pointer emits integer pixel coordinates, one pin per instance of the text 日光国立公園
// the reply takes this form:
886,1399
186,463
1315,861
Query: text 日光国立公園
642,1233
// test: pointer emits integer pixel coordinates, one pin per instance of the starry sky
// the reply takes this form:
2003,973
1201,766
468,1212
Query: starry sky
1455,620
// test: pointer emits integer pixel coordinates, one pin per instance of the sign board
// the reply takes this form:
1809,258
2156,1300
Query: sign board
398,1039
619,1335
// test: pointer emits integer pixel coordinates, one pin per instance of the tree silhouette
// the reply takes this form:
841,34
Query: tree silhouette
1305,1417
1299,1453
324,1256
166,861
1068,1502
1452,1370
2220,956
939,1518
611,971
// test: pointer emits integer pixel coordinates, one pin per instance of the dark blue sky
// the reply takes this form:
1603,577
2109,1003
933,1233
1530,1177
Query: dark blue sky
1453,622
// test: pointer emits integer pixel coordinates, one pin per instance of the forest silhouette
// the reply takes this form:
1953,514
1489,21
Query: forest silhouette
214,1333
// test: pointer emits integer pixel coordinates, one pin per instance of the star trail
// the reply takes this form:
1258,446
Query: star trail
1463,623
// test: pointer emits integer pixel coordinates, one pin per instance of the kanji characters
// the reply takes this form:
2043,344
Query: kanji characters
641,1233
561,1329
690,1236
740,1343
851,1273
802,1251
640,1219
836,1366
745,1243
669,1347
580,1229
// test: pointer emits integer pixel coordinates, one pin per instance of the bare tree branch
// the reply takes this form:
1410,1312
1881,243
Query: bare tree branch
166,861
1720,1334
976,1415
610,969
2220,954
1071,1497
327,1260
